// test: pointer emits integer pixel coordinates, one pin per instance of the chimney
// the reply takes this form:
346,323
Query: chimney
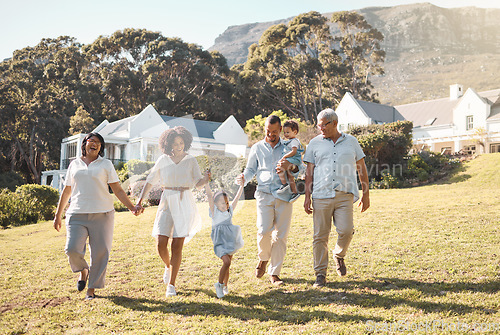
456,91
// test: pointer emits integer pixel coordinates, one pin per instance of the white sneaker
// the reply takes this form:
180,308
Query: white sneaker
225,290
166,275
170,291
219,290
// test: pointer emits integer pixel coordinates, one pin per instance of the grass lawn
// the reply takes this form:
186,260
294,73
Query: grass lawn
425,258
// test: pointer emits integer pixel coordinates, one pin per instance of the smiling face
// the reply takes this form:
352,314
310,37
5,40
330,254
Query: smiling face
273,131
289,133
222,203
178,146
92,146
327,128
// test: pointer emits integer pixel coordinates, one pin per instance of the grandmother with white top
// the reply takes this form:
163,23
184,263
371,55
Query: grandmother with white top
332,159
91,212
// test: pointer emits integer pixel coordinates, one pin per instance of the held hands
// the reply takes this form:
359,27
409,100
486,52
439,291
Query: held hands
240,180
138,209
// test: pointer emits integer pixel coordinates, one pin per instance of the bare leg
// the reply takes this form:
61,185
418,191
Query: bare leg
224,270
175,260
291,181
282,176
162,247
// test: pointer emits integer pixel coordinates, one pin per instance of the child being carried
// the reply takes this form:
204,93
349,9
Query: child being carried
294,156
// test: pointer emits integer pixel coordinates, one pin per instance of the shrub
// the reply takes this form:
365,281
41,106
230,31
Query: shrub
28,204
11,180
255,128
135,166
119,206
44,199
224,171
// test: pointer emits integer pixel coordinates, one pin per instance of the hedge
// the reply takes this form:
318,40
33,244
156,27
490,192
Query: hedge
29,204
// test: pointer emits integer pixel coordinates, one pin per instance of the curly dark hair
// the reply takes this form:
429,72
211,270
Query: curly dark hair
87,137
292,124
168,136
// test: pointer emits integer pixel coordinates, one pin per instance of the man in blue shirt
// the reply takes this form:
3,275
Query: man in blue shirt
332,160
274,212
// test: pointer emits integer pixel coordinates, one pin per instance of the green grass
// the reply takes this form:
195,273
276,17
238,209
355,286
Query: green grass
421,255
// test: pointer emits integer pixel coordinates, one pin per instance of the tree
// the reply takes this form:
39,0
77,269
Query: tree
360,47
81,122
302,68
136,67
39,88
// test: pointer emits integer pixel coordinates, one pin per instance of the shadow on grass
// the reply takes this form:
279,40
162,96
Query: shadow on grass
455,176
274,305
283,305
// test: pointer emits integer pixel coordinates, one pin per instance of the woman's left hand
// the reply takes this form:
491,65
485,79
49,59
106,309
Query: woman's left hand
138,209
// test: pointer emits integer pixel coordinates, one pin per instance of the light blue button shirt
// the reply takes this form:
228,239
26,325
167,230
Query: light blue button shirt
335,165
262,162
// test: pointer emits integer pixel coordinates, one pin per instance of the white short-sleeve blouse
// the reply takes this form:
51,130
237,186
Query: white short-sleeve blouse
89,186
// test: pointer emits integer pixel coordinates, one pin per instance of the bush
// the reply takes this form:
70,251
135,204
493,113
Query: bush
28,204
255,128
224,171
44,198
11,180
132,168
119,206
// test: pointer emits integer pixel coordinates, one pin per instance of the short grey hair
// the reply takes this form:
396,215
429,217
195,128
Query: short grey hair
328,114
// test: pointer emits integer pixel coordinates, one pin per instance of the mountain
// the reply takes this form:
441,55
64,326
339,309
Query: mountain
427,49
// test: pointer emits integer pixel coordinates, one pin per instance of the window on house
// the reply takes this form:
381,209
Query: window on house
151,153
350,126
470,149
469,123
71,150
446,151
495,147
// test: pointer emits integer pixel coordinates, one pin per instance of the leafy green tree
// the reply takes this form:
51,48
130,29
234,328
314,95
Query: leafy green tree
303,68
39,88
81,122
136,67
360,46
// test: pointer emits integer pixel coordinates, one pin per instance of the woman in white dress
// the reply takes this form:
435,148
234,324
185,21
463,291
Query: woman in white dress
177,216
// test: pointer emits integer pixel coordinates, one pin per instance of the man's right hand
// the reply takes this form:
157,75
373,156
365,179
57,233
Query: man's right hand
308,205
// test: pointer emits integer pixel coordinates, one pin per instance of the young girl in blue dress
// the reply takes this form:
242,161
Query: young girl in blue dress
226,237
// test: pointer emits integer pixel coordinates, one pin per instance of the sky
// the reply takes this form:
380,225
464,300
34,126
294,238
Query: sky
24,23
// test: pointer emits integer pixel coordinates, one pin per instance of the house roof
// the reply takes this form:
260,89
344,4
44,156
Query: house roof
440,111
380,113
116,126
200,128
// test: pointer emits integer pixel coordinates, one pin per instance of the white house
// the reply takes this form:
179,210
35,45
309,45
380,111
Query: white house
136,137
448,125
353,112
467,122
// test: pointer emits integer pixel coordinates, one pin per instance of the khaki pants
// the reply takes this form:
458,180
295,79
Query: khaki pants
340,209
273,224
98,228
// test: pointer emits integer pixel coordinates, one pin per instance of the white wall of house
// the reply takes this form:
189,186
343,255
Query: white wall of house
471,106
230,132
350,113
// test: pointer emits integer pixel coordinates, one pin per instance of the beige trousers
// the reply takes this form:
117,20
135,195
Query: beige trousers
273,224
98,228
339,209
